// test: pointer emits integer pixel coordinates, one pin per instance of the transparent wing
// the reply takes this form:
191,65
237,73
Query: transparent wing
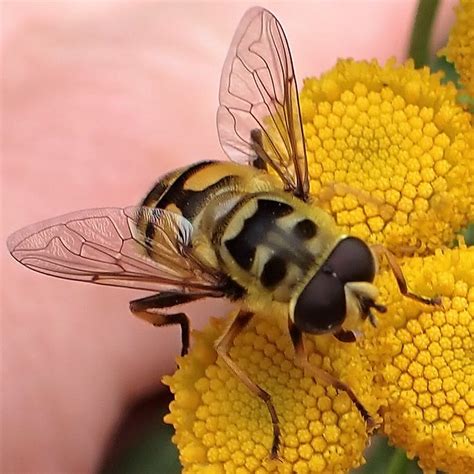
136,247
259,113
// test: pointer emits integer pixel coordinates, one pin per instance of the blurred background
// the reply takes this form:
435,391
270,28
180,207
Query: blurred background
99,99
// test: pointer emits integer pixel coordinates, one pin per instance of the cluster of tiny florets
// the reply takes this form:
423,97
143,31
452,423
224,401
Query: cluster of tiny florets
460,48
391,153
222,427
423,357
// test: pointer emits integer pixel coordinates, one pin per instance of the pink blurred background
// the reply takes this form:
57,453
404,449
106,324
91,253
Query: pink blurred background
99,99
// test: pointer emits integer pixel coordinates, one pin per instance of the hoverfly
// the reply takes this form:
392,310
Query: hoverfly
247,230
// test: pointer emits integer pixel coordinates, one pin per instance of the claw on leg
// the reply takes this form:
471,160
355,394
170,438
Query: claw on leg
381,250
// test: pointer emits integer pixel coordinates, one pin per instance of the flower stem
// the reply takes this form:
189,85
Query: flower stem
398,462
421,34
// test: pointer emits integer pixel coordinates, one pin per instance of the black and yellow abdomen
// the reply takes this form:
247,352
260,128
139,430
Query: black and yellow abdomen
245,225
189,190
202,193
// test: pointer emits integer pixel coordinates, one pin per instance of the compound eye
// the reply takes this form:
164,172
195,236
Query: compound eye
321,306
352,260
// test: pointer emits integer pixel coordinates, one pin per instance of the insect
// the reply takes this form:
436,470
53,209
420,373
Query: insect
247,230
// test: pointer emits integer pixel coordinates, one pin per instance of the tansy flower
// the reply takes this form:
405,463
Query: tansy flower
222,427
416,369
391,157
424,361
460,48
395,134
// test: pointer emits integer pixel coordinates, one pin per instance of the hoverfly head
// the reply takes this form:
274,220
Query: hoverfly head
340,289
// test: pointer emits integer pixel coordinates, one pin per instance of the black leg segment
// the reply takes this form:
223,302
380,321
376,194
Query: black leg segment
146,308
345,336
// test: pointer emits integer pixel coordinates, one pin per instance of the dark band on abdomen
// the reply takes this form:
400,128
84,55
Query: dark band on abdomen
189,202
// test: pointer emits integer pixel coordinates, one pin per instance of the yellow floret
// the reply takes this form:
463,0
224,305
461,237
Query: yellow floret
425,361
460,48
396,136
222,427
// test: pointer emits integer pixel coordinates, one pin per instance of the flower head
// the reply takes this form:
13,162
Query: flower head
395,134
416,369
221,425
460,48
423,357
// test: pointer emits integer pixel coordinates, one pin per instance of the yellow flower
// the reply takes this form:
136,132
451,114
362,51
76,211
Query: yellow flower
396,134
460,48
416,369
424,360
222,427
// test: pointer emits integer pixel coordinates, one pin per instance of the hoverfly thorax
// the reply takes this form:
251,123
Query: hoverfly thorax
340,289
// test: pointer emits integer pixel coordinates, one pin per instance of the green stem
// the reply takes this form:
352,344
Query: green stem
398,463
421,34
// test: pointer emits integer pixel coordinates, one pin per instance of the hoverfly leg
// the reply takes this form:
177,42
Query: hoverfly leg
259,163
320,375
257,145
372,319
146,308
381,250
223,346
345,336
332,190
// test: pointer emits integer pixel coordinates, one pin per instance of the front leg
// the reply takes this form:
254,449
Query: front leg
380,250
345,336
321,375
331,190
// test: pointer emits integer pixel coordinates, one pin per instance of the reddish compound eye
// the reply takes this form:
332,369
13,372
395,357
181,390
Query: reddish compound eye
321,306
351,260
